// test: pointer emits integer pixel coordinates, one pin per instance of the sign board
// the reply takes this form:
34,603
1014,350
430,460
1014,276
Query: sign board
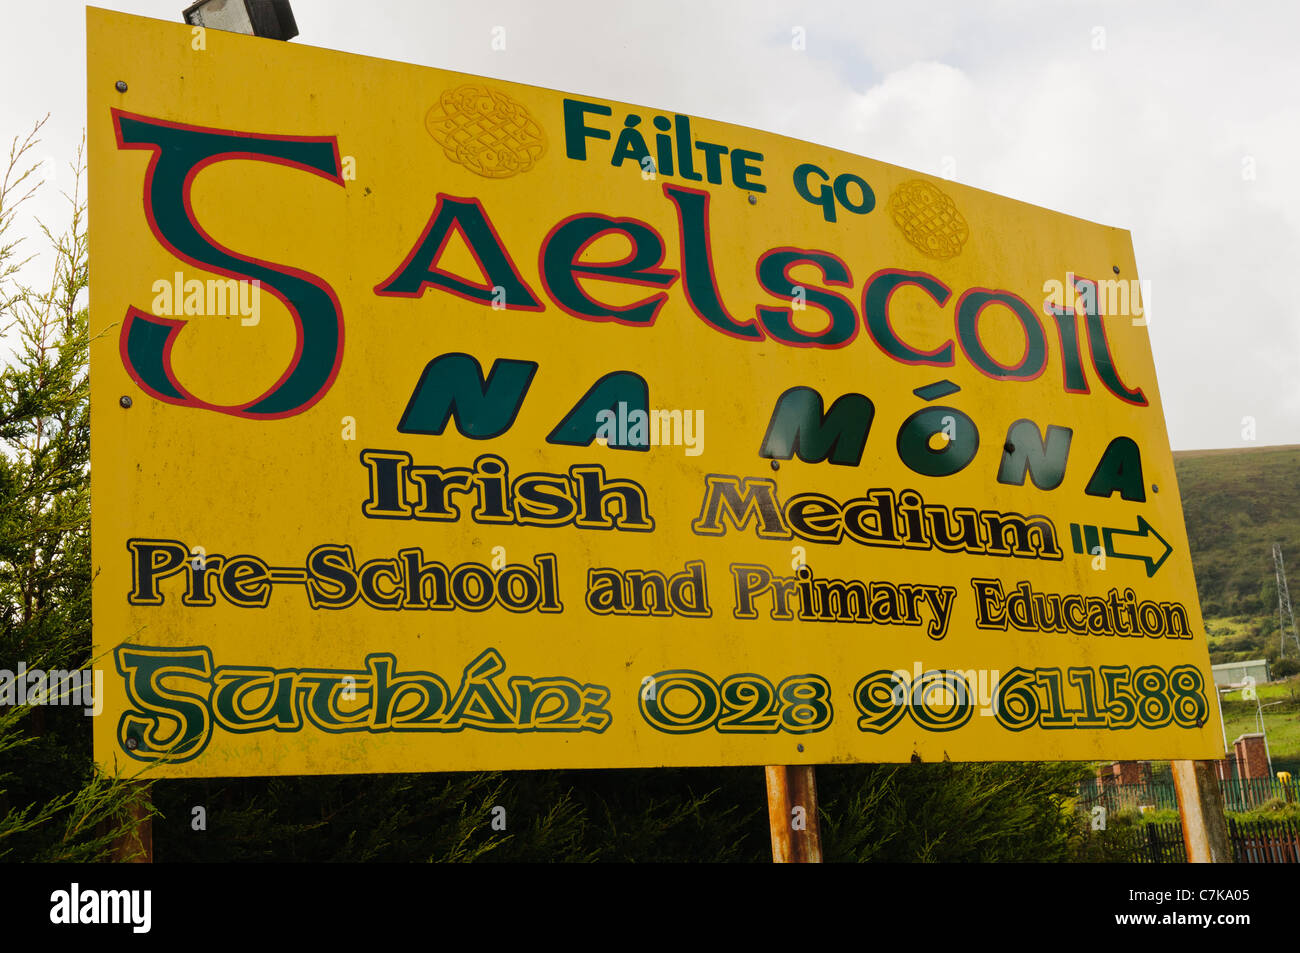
445,423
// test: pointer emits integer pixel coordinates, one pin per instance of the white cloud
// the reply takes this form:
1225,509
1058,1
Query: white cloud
1148,134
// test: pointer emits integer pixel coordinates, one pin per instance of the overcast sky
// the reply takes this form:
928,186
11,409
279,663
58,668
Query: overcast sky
1179,121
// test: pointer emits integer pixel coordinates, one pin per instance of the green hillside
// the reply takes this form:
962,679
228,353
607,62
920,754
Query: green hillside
1237,504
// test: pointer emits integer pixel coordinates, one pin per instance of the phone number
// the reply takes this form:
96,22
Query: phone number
1111,697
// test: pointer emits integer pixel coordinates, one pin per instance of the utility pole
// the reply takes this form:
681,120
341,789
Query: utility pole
1285,617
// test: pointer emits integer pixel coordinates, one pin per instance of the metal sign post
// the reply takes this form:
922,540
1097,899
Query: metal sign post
1200,808
136,844
792,814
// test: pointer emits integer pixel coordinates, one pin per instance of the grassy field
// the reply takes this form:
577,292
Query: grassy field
1222,632
1280,703
1237,504
1241,638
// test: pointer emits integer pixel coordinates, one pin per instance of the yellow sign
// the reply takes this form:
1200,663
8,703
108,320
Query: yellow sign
444,423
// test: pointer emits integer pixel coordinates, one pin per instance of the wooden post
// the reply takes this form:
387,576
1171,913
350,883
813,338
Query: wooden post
1200,806
139,840
792,814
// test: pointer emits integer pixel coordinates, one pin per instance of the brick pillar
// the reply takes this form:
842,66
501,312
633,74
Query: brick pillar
1252,756
1129,772
1226,767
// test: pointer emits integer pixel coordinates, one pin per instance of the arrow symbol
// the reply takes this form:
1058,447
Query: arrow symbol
1150,546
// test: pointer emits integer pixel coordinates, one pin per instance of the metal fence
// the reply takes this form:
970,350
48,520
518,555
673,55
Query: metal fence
1239,794
1253,842
1264,842
1157,795
1144,844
